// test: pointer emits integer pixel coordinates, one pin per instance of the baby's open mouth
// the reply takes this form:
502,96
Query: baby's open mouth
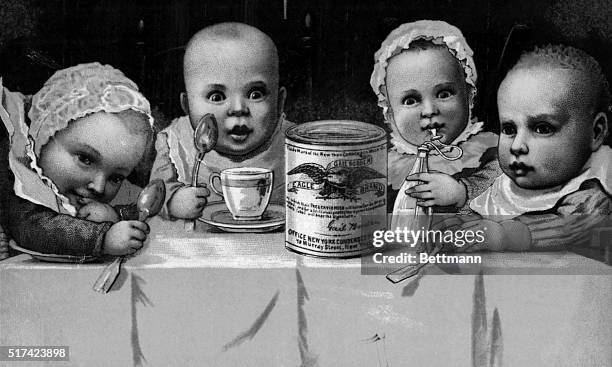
241,137
435,132
239,133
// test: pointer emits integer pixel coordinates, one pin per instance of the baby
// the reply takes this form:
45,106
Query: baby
557,181
425,78
231,71
4,176
89,127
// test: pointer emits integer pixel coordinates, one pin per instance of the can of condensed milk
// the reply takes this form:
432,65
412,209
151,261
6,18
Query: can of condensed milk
336,187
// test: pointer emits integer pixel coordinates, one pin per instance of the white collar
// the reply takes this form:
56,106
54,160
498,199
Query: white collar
504,197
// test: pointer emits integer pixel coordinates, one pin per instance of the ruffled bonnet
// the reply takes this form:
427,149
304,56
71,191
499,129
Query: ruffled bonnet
68,95
398,40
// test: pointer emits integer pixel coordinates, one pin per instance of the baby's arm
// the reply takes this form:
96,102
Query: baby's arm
182,201
458,190
101,212
573,220
4,247
569,224
480,179
98,212
43,230
486,234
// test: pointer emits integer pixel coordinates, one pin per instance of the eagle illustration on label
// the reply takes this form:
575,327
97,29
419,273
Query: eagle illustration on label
335,187
341,179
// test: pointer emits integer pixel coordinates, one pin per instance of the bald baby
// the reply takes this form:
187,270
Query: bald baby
215,36
231,71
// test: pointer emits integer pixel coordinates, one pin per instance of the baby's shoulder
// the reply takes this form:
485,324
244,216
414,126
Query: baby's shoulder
591,197
592,188
481,147
178,124
483,140
179,132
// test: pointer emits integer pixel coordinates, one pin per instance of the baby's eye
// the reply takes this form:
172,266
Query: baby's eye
116,179
84,159
443,94
544,129
256,94
508,129
410,101
216,97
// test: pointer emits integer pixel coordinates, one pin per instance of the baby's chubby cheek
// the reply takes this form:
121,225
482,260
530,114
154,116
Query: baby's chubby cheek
559,160
552,159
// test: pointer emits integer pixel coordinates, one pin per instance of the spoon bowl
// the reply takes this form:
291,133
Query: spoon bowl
151,199
205,138
206,133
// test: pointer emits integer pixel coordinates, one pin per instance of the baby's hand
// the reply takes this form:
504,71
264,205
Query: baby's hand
4,245
125,238
97,212
437,189
487,235
188,202
472,234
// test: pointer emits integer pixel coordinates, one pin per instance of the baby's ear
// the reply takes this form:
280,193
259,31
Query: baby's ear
600,130
184,103
282,97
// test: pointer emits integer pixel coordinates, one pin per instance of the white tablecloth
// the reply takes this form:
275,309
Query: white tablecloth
214,299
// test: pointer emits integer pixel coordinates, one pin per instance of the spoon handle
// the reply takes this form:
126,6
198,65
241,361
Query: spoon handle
411,270
108,276
196,169
190,225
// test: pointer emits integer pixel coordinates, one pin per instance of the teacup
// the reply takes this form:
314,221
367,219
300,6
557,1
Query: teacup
245,190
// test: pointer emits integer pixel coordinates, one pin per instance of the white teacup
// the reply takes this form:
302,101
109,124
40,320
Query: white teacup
246,190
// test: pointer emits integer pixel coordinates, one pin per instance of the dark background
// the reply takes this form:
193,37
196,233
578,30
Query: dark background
326,47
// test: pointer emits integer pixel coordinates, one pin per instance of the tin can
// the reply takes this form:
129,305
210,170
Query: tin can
336,187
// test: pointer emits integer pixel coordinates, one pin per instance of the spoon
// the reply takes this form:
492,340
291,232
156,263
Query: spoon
205,139
149,203
410,270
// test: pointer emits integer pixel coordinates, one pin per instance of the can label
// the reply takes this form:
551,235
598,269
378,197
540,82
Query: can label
335,197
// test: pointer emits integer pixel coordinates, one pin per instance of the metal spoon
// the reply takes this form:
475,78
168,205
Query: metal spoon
205,139
410,270
149,203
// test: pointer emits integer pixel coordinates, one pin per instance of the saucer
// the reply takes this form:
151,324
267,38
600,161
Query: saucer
53,258
217,215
